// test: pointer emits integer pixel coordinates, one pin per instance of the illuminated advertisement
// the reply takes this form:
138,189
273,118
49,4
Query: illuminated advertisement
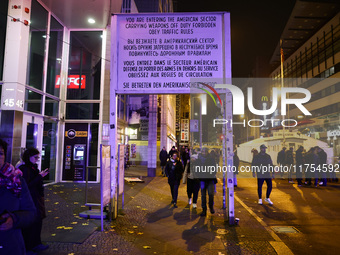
72,82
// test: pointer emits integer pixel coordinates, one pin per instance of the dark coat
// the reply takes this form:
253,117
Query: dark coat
289,157
322,157
261,160
312,161
236,162
299,157
35,185
185,157
171,152
281,157
163,157
23,213
174,172
201,168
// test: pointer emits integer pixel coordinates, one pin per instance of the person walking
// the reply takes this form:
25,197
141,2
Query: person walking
323,165
207,180
34,179
312,162
172,151
193,185
17,209
174,171
300,161
260,161
289,161
185,156
281,159
163,157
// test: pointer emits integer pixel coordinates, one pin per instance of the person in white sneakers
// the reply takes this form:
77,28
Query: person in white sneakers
262,164
193,185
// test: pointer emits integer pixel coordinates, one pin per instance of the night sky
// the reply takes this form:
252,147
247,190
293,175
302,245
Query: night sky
256,27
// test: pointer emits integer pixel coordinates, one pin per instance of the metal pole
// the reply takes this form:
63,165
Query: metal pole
201,125
282,85
224,159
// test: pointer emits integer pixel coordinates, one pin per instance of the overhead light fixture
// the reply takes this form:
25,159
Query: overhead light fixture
91,21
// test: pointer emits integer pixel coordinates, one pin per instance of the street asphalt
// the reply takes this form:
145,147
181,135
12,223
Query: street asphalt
149,224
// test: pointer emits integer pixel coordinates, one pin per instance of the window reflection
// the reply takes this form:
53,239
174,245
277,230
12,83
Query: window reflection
51,107
54,57
3,25
38,35
33,101
84,62
82,111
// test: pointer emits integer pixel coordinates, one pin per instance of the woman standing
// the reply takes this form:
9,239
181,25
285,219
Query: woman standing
16,207
34,179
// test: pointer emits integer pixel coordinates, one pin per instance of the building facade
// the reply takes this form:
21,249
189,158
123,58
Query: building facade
55,82
310,44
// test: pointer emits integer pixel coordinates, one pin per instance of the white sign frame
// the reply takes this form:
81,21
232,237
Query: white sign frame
224,73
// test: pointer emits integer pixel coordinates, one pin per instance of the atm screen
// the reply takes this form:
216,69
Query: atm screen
80,154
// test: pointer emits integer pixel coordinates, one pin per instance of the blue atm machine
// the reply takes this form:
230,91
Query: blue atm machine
75,152
79,151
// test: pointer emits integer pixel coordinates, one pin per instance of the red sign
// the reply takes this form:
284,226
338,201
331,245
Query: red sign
72,83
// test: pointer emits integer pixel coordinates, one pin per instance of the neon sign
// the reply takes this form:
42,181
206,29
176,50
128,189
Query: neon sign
72,82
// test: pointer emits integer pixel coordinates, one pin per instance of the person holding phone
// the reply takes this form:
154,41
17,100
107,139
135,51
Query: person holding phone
34,180
17,209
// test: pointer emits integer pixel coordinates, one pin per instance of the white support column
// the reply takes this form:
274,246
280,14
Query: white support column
16,50
113,143
113,119
14,75
152,136
229,156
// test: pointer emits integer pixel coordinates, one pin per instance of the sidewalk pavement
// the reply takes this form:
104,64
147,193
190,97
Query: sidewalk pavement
149,224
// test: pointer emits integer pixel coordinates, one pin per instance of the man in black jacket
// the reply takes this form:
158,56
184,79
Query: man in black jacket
174,171
281,156
262,164
207,178
163,157
299,158
323,166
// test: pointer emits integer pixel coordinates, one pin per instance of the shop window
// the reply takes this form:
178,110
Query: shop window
82,111
84,65
51,107
49,150
54,58
37,42
121,103
33,101
3,25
